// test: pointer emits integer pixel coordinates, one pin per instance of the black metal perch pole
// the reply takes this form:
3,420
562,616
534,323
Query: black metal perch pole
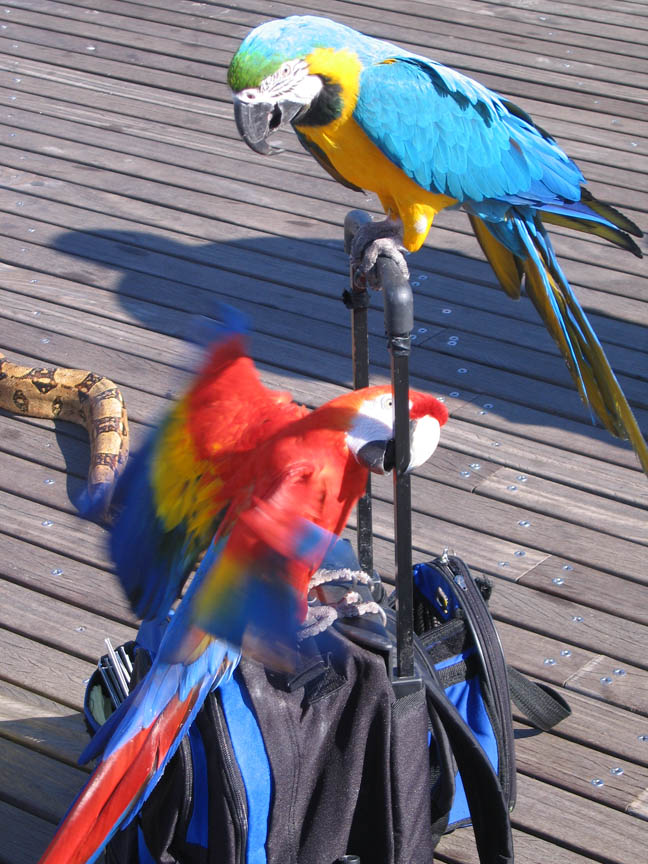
399,321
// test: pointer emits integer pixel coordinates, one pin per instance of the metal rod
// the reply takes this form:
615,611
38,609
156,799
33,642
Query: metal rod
403,517
111,685
117,667
399,321
357,298
127,662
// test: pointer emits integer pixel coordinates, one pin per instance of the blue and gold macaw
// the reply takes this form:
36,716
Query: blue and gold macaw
424,137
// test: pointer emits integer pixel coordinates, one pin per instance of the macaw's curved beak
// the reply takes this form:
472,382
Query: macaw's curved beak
378,456
257,120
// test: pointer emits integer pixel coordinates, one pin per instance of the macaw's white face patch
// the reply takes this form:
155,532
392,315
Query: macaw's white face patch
424,439
373,422
291,81
372,432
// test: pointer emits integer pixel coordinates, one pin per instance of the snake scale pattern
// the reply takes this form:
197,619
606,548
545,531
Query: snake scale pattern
80,397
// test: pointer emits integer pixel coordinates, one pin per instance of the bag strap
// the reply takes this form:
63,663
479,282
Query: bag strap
539,703
488,810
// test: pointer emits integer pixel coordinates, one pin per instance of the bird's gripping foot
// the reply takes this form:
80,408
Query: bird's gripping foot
374,239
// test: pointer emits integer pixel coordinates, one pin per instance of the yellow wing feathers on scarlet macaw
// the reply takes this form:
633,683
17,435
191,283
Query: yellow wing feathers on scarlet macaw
274,484
176,489
424,137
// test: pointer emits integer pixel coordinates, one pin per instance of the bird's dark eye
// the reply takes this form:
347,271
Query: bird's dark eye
285,69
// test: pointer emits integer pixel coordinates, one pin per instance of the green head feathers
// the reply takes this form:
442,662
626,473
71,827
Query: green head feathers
249,67
269,45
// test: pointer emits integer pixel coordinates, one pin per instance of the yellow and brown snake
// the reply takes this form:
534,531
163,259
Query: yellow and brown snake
81,397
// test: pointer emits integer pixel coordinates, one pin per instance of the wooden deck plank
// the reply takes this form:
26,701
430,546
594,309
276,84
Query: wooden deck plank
62,625
523,632
559,617
572,15
172,56
459,848
580,670
222,93
579,583
445,261
573,767
589,587
451,236
580,627
41,724
152,34
54,674
65,532
26,836
459,14
453,379
502,383
586,827
62,577
618,128
463,26
607,172
501,520
29,67
520,529
536,608
571,469
605,164
499,511
60,347
302,261
606,729
141,206
581,508
32,785
215,133
504,416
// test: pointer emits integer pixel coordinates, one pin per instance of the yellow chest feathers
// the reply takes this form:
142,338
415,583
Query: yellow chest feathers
359,160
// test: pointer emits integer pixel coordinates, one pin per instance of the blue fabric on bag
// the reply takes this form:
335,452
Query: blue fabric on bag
198,828
466,695
145,856
428,580
468,699
253,763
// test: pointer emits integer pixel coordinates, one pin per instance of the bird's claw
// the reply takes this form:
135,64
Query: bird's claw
388,247
373,240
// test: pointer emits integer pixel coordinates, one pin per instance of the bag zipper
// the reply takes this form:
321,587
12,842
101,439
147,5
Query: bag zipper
235,788
491,655
184,751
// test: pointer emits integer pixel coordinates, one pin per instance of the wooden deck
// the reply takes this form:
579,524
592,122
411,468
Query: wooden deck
128,203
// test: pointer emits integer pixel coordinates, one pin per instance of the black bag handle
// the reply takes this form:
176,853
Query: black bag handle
539,703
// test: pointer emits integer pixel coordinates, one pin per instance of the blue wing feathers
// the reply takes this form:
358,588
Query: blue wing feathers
151,561
452,135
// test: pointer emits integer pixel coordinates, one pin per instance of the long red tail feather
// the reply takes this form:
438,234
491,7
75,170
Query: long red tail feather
115,787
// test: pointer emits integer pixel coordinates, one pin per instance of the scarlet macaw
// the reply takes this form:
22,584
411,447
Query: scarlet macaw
424,137
273,483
